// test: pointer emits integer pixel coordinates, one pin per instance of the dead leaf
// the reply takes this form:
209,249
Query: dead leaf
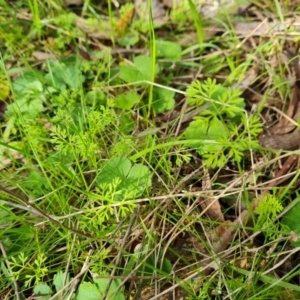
291,61
210,205
249,78
284,125
158,11
293,236
73,2
265,28
95,30
289,141
39,55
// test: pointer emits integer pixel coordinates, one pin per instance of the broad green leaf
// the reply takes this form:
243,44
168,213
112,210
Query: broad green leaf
291,219
6,215
140,174
96,98
127,100
72,77
133,179
42,289
206,130
88,291
129,39
28,82
5,271
217,129
127,124
68,73
30,108
37,183
60,280
54,83
163,100
168,50
102,284
144,65
131,74
141,70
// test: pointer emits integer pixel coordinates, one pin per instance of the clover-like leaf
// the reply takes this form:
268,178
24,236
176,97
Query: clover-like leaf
163,100
102,283
141,70
42,289
127,100
208,132
88,291
131,179
168,50
29,82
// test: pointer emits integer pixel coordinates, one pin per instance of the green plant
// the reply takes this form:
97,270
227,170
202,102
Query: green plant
223,131
98,151
34,271
291,221
268,209
86,290
118,184
96,290
35,10
148,265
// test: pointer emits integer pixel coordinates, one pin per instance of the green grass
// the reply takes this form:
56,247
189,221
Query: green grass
103,171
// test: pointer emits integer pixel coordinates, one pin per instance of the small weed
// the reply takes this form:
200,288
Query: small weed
213,131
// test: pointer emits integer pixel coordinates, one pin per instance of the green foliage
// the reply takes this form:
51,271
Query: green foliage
96,290
29,96
66,20
181,15
95,98
4,87
33,89
291,220
141,70
125,27
123,146
163,100
168,50
43,289
64,74
147,265
211,133
127,100
222,100
268,209
197,21
32,271
117,182
60,279
132,179
77,134
87,290
68,146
